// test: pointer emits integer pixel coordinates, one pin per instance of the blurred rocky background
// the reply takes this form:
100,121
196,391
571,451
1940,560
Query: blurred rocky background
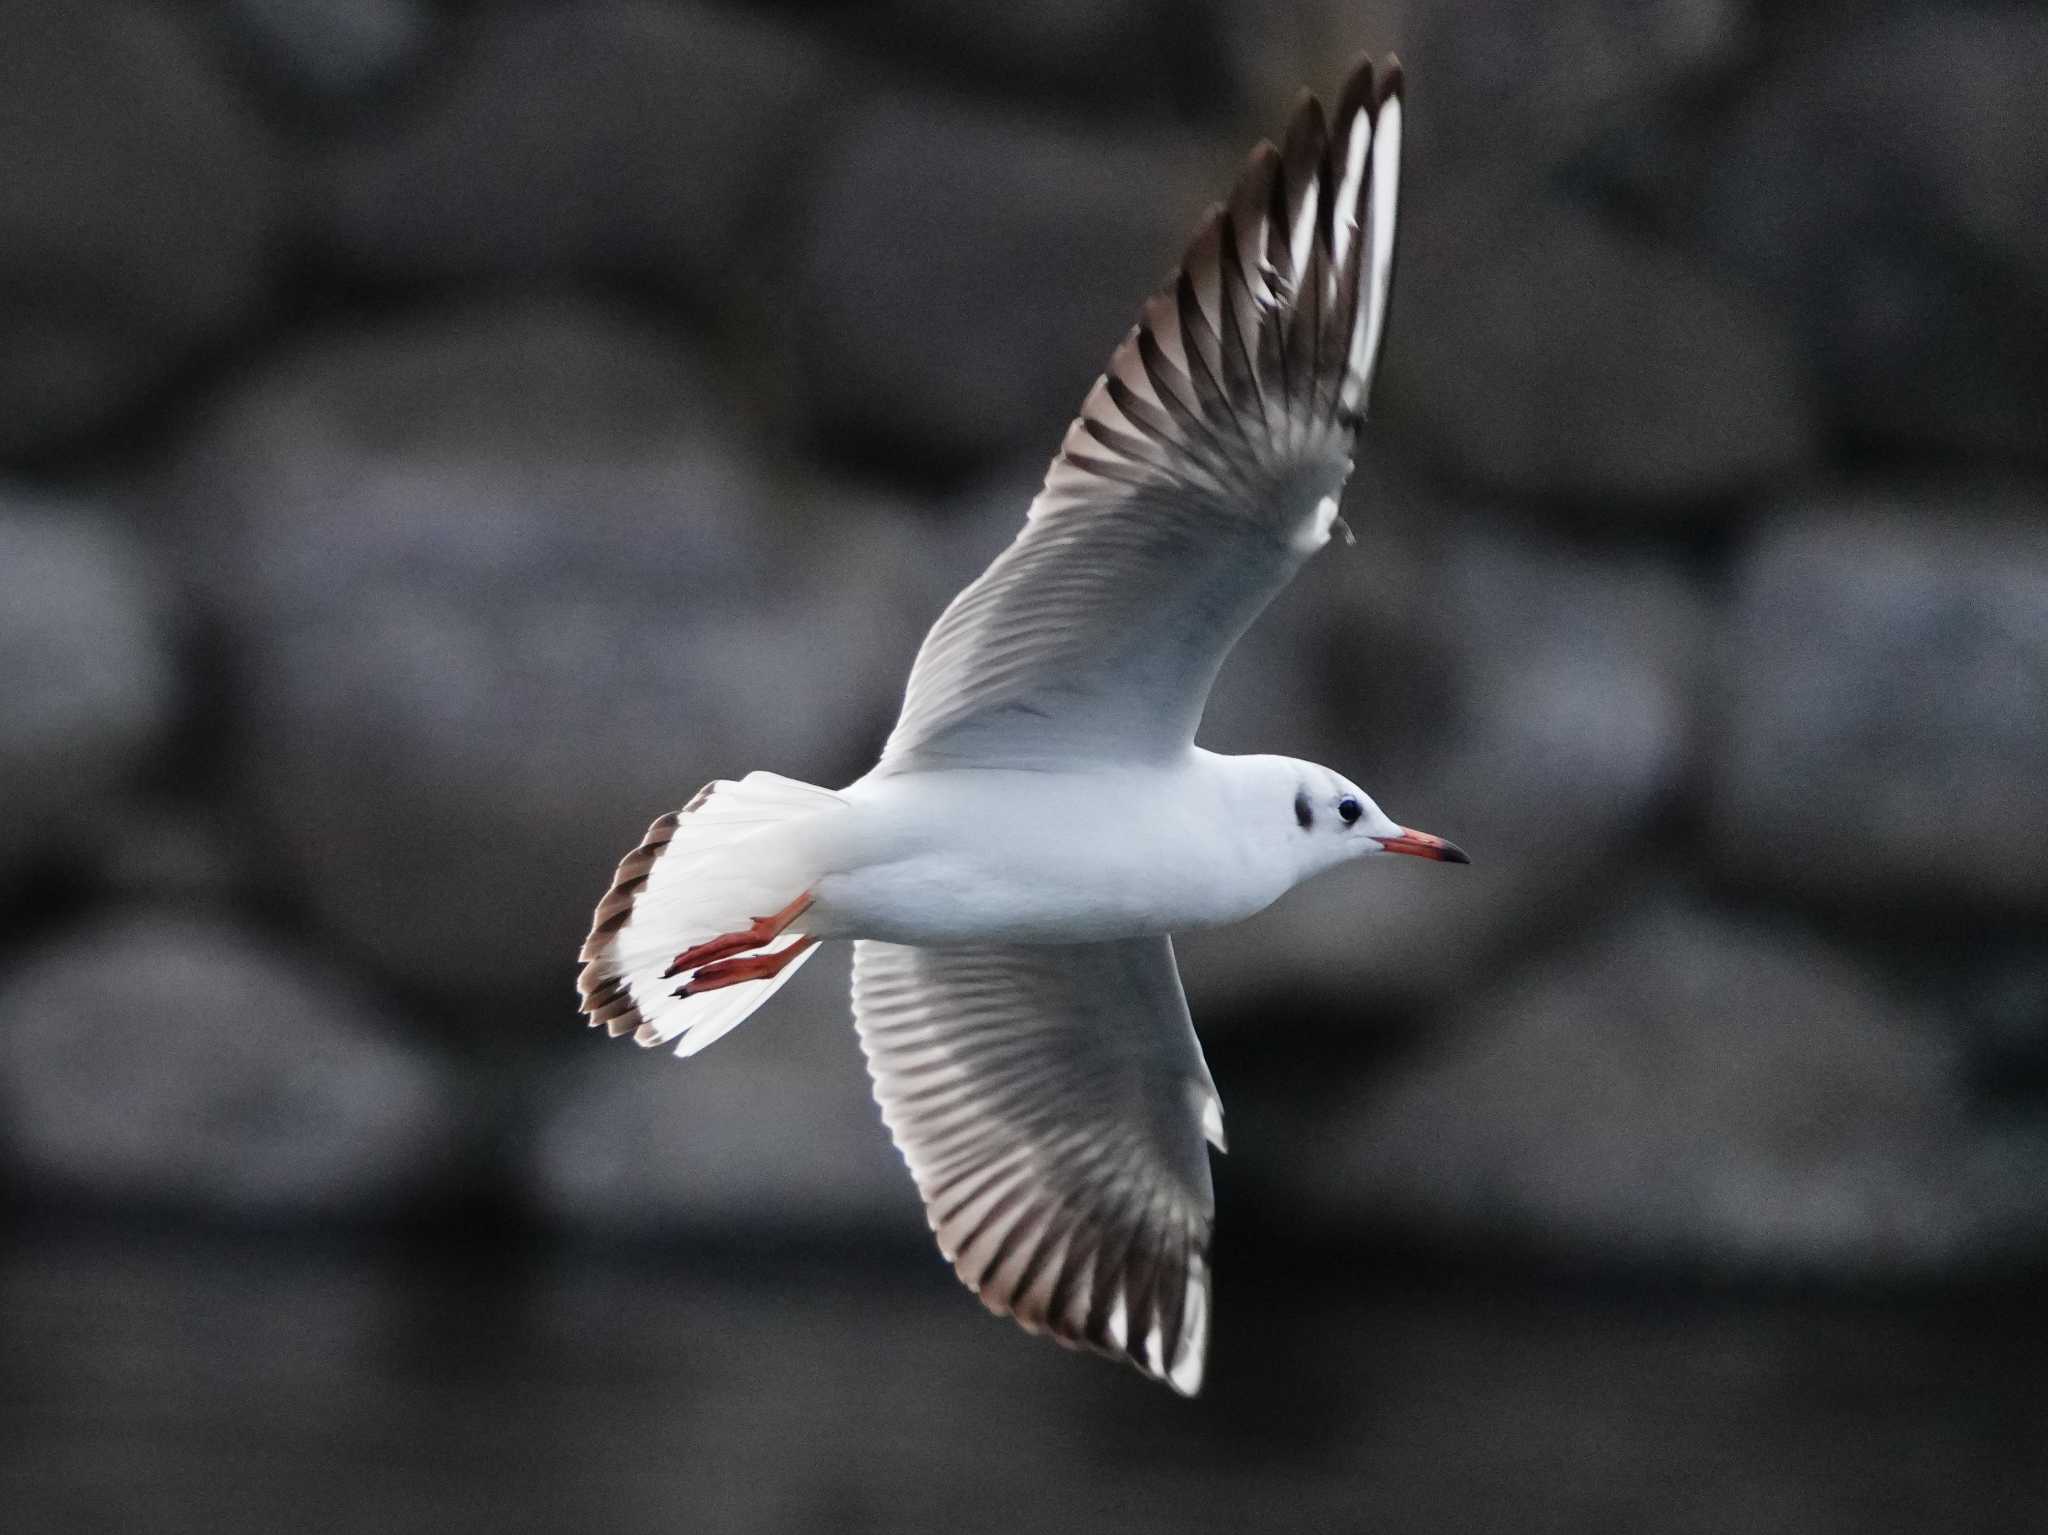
437,435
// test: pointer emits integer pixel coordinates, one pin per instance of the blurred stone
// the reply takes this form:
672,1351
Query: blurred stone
90,679
160,1057
1531,701
1886,191
476,1387
1689,1087
503,593
332,49
1523,86
651,140
1081,50
1529,83
774,1128
967,276
136,213
1538,351
1276,48
2002,1005
179,848
1886,685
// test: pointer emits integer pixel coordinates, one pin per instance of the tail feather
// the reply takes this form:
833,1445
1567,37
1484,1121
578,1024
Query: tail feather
702,871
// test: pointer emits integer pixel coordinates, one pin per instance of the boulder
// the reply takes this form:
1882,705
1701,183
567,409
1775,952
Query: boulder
1692,1088
657,142
1885,744
1519,85
1528,84
91,678
161,1057
330,51
1539,351
1273,49
1885,192
2000,1000
1081,51
967,273
137,213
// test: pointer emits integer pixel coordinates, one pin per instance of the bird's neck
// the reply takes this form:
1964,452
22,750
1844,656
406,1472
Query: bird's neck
1254,799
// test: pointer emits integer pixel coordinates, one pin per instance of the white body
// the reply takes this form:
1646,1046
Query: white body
990,855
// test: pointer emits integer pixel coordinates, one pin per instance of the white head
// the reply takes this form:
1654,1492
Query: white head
1323,819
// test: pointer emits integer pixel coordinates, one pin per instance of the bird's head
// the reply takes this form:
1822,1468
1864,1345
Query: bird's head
1329,820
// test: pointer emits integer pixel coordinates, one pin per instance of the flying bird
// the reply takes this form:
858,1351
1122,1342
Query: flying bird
1041,819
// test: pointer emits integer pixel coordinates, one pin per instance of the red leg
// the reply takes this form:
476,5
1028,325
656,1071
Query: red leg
755,967
761,930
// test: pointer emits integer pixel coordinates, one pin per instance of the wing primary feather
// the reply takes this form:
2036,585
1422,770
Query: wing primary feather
982,1250
1251,203
1201,345
1075,1284
1356,108
1347,161
1302,153
1304,335
1132,446
1376,281
1198,294
1160,371
1114,470
1361,92
1301,156
1106,1291
1181,410
1038,1263
1163,1340
1241,318
1159,424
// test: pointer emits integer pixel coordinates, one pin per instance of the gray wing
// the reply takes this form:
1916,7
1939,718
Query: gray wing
1204,468
1052,1103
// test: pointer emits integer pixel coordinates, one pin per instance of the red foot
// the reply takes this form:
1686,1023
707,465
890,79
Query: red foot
755,967
761,930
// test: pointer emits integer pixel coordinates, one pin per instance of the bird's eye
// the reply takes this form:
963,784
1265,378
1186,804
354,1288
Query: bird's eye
1304,812
1349,809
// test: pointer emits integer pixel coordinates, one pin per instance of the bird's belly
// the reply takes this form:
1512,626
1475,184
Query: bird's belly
945,898
994,856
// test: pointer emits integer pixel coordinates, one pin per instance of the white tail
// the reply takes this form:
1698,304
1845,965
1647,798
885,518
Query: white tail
702,873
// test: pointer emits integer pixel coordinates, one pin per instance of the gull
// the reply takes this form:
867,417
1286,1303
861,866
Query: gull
1041,819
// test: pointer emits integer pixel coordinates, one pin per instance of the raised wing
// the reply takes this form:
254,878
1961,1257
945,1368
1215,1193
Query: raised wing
1204,468
1052,1102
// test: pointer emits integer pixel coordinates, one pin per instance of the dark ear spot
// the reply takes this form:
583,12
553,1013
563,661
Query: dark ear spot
1304,812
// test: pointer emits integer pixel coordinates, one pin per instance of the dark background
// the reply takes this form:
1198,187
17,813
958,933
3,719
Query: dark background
437,437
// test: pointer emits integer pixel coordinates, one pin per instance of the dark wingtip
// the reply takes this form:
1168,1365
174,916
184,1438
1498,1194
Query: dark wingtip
1393,82
1360,90
1307,130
